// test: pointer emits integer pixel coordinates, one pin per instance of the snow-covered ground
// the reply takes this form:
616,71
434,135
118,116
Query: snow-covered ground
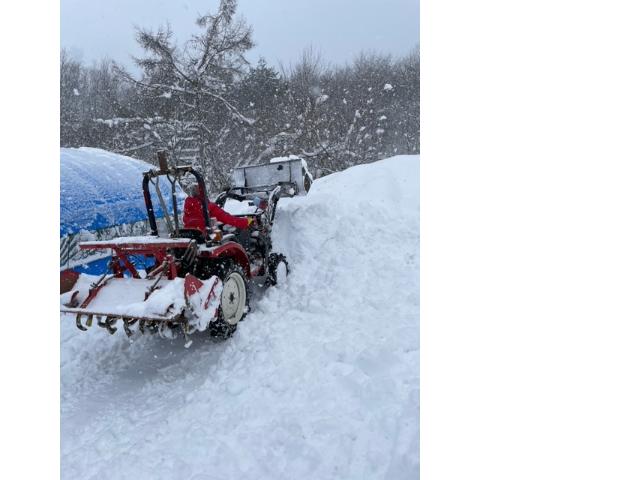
321,381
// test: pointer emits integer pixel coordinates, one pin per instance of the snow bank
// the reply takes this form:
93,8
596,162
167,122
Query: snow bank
320,381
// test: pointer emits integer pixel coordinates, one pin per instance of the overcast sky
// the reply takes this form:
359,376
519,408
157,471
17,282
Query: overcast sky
339,29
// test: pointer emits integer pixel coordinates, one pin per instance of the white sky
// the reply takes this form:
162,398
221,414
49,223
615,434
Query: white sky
93,29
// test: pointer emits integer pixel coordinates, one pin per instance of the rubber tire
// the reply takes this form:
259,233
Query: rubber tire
221,328
274,260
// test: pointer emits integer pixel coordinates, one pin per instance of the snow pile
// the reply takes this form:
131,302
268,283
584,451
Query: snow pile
237,207
320,381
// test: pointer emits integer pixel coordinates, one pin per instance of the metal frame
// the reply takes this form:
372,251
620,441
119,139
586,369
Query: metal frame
176,172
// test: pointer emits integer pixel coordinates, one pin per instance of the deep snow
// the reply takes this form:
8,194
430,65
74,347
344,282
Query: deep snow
320,381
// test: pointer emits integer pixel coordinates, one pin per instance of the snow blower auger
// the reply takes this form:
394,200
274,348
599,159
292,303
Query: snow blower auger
190,280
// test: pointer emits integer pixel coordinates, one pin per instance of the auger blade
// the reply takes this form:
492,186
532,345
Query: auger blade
79,322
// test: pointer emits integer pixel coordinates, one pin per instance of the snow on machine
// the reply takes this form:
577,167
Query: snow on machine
177,280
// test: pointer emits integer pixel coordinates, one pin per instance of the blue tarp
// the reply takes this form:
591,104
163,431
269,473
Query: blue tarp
100,189
98,267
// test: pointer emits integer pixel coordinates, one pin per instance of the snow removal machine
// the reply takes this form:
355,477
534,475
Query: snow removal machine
176,281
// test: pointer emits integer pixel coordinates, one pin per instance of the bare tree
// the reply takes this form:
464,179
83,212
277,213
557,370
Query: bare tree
204,103
195,83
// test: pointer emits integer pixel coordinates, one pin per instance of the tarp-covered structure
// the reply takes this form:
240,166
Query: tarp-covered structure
101,189
101,198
